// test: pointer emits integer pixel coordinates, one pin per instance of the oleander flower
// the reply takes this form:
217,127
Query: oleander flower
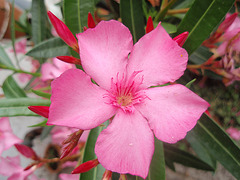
124,92
52,70
7,138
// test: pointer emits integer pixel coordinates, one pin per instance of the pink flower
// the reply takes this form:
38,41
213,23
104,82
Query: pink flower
20,46
51,71
234,133
7,138
63,176
10,166
169,112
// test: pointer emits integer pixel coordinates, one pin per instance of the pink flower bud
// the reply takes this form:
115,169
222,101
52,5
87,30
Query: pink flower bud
26,151
149,26
87,166
181,38
63,32
70,59
227,23
40,110
91,23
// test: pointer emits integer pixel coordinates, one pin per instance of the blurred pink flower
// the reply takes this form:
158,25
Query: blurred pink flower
10,166
7,138
127,144
20,46
52,70
63,176
234,133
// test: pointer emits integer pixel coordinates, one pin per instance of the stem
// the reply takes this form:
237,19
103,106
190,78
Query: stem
68,158
19,70
177,11
163,11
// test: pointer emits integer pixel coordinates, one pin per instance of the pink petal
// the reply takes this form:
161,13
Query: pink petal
104,51
77,102
172,111
69,176
5,125
160,58
9,140
49,72
127,145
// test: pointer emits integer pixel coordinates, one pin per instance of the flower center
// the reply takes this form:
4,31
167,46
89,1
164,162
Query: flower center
125,100
125,92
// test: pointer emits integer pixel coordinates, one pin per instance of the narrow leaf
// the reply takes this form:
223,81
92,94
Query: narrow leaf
39,21
77,20
218,143
201,151
50,48
157,167
4,59
43,123
46,131
131,12
201,19
173,154
19,106
11,88
89,154
42,94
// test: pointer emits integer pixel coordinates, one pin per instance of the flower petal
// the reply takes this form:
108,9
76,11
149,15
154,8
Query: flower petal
160,58
172,111
127,145
104,51
77,102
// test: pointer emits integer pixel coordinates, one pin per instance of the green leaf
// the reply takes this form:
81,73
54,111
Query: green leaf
173,154
43,123
11,88
41,94
89,154
218,143
46,131
188,85
4,59
131,12
157,167
170,28
39,21
201,151
201,19
200,56
50,48
76,14
19,106
12,25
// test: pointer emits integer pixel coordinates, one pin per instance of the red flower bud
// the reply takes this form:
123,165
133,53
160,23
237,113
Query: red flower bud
63,32
87,166
107,175
26,151
40,110
181,38
91,23
70,143
149,26
69,59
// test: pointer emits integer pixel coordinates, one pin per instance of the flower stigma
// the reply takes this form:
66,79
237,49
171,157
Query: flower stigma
125,92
